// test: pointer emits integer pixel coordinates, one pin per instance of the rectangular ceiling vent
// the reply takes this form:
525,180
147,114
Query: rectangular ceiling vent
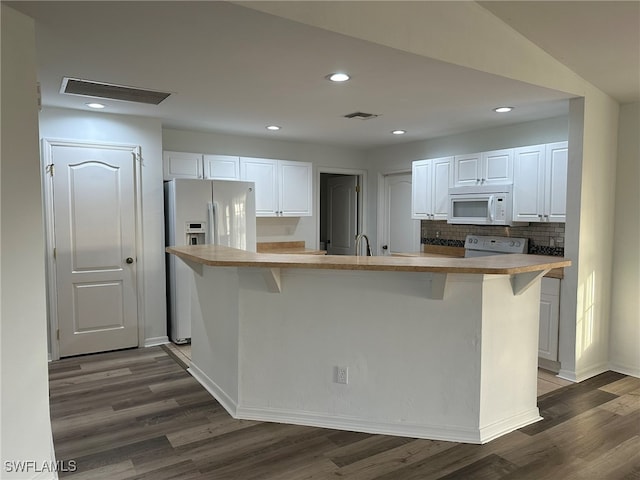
88,88
361,115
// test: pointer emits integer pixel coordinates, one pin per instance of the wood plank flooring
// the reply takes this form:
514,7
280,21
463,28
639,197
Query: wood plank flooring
137,414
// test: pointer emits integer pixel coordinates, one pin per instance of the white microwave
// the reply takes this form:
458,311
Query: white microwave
477,206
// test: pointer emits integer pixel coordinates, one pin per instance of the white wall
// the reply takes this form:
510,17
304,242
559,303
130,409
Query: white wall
103,127
322,156
25,424
589,236
625,298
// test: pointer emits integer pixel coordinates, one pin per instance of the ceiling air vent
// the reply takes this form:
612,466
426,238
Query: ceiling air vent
361,115
88,88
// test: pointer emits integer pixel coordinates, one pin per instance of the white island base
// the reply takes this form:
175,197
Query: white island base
447,361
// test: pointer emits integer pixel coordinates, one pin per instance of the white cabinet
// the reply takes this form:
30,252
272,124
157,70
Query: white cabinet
181,165
196,165
430,180
221,167
540,183
549,319
283,188
486,168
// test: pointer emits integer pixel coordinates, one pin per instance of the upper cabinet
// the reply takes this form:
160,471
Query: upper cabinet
196,165
181,165
487,168
540,183
221,167
430,188
283,188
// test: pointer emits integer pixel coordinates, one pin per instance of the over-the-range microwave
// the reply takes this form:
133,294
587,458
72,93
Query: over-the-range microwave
482,205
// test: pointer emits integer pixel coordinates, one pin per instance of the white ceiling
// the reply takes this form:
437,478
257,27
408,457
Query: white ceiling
600,41
235,70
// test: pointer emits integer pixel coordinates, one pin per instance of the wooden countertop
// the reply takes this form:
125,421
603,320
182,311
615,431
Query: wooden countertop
294,248
215,255
458,252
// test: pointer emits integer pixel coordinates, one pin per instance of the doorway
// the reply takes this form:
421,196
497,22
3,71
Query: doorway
399,233
92,215
341,206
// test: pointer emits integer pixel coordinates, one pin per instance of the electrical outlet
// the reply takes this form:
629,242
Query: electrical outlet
342,375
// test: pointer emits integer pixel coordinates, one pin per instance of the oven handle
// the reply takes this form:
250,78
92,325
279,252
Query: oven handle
491,203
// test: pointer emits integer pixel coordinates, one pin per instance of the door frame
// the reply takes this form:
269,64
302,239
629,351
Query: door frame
49,227
362,204
381,204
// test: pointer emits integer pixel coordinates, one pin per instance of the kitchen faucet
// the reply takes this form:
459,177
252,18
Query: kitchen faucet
359,237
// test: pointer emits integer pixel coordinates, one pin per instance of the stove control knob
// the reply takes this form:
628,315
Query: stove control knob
512,243
517,244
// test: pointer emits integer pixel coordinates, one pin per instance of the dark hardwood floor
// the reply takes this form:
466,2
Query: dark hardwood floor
139,414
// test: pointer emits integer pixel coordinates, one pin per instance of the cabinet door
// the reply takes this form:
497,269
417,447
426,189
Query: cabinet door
557,155
421,189
295,184
221,167
466,170
263,173
441,168
181,165
497,167
549,319
528,183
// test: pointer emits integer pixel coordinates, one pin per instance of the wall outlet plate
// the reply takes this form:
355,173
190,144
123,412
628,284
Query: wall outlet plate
342,375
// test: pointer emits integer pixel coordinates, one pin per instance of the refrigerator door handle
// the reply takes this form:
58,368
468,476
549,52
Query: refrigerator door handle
212,230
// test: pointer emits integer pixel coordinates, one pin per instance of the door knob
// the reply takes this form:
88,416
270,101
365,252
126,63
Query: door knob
129,260
385,247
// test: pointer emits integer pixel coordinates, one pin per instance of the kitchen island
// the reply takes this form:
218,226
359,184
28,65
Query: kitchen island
438,348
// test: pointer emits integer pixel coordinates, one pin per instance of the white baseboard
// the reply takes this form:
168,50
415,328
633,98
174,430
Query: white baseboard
446,433
229,404
155,341
632,371
508,425
584,374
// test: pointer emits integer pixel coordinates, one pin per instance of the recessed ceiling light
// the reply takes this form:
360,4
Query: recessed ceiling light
338,77
273,128
399,132
502,109
95,105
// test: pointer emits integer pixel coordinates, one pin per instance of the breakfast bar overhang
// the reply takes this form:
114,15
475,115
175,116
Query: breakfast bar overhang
437,348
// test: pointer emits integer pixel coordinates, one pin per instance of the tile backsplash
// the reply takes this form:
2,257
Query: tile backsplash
544,238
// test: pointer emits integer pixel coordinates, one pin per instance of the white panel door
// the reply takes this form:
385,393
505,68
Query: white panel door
556,181
401,233
342,206
421,182
466,170
549,319
497,167
295,183
94,214
181,165
528,184
441,168
262,172
221,167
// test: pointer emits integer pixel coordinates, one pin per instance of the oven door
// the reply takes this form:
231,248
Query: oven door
472,209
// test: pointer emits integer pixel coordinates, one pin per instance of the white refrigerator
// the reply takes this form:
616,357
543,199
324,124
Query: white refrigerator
199,212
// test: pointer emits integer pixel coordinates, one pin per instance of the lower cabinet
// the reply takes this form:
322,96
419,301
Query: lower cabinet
549,319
